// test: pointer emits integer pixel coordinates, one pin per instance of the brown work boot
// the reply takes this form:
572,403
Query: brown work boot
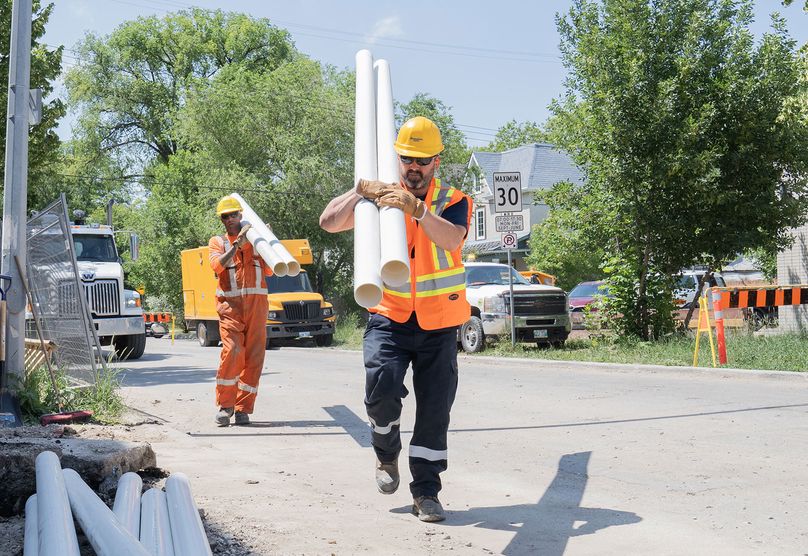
224,415
387,478
242,418
427,508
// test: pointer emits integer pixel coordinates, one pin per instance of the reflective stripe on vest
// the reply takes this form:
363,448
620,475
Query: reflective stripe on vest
446,281
234,290
440,198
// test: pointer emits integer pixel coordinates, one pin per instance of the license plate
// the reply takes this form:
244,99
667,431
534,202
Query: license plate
308,334
539,333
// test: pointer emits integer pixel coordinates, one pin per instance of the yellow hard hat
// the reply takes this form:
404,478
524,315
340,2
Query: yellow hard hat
419,137
228,204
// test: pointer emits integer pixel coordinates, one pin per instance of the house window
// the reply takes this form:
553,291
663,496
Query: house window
478,184
479,222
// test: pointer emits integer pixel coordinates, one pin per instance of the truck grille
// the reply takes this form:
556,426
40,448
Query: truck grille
297,311
102,298
532,305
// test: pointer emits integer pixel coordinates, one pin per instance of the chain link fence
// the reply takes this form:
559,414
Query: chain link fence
59,299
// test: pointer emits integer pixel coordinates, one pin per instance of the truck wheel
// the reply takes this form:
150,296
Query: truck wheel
204,335
325,340
472,337
129,347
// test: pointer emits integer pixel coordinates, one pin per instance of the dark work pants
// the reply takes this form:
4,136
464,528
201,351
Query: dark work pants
389,348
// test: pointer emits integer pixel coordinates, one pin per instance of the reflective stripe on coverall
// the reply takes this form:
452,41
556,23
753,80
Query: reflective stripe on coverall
241,302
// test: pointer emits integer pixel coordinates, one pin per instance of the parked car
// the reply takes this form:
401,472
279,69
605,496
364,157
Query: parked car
585,295
685,291
540,311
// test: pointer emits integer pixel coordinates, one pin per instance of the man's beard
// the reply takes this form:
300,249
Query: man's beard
415,179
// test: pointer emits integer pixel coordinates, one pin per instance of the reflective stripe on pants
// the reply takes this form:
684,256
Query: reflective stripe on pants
389,348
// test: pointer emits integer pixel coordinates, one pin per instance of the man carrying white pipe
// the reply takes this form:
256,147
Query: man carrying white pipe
241,301
416,322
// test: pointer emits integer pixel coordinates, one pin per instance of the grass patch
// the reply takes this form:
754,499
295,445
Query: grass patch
103,398
349,331
784,352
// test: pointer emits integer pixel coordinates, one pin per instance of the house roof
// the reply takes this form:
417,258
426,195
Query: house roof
542,165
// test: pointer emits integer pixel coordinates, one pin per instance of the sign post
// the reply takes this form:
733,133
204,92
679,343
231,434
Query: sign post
508,199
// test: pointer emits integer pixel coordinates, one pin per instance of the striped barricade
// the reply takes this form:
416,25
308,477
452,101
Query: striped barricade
751,297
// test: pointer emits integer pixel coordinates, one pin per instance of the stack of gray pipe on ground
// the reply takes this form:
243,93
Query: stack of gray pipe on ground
157,523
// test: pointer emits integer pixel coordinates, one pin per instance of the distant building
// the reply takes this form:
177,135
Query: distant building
792,268
541,166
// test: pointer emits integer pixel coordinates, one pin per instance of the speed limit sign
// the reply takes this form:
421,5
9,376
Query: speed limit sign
507,192
509,241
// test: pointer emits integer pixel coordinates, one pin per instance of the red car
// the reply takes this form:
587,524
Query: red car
583,295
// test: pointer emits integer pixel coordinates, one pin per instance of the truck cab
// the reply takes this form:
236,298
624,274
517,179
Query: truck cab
541,312
116,311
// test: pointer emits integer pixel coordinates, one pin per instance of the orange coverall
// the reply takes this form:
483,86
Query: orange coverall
241,301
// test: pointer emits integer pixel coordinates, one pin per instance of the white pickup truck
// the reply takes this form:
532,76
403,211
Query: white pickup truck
541,313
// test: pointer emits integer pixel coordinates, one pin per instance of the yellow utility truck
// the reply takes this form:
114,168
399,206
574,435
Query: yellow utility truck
295,310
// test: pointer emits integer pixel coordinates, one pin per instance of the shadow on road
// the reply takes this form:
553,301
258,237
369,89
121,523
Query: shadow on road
171,375
545,527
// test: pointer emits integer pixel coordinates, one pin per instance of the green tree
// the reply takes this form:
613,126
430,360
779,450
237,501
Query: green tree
283,140
691,136
46,65
456,152
513,135
129,86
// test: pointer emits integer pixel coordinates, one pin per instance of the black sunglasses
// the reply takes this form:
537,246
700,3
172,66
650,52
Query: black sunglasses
407,160
229,215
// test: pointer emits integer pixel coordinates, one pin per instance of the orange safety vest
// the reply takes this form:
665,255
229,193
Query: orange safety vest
436,290
250,281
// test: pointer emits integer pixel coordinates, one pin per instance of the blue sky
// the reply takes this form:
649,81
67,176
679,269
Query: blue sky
489,61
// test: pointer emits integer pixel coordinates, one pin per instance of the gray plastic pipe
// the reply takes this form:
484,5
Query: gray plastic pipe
187,530
127,502
106,534
155,528
56,532
31,546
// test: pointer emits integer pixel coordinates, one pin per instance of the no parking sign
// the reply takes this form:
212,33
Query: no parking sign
509,241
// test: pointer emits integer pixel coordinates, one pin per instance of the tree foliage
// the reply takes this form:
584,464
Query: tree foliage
130,85
690,137
513,135
46,65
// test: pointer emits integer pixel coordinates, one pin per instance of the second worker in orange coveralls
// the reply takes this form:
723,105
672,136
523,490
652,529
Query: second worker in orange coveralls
241,301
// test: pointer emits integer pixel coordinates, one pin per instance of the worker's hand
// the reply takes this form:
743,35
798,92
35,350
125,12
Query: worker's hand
404,200
242,236
372,189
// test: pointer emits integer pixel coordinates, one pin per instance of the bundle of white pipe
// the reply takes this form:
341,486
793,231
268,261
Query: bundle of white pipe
31,538
380,237
55,530
266,243
187,531
155,527
106,534
127,502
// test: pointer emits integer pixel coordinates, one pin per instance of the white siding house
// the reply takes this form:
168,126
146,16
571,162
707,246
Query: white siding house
792,268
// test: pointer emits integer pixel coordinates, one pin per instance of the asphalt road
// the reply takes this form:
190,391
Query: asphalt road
545,457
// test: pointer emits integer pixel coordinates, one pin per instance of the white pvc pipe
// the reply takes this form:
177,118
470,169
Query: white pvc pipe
127,502
367,250
106,534
187,530
31,538
56,532
261,233
395,261
155,528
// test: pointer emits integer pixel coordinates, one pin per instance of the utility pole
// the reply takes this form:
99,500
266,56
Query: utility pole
16,181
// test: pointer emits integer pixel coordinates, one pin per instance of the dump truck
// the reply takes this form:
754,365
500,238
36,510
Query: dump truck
295,309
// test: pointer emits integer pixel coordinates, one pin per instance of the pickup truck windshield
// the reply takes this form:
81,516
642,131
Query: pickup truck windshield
95,248
283,284
497,275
